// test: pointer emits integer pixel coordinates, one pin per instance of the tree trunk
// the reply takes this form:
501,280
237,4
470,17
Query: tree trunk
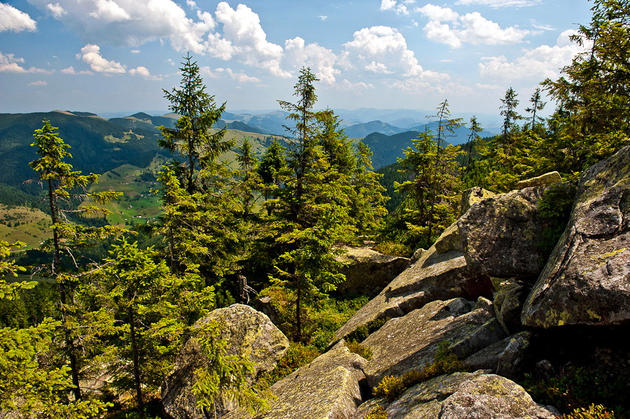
136,361
74,368
298,315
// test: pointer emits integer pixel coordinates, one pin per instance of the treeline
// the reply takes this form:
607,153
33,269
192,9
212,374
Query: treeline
270,225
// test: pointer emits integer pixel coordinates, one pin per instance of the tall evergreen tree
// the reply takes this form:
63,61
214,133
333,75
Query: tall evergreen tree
508,111
536,106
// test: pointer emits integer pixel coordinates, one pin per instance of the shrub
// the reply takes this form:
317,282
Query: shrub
592,412
554,209
359,349
393,249
297,356
390,388
377,412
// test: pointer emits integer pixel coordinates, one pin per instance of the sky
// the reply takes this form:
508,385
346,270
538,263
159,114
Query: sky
117,55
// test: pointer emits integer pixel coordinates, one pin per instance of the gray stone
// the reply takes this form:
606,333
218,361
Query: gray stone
411,342
504,357
246,331
501,235
508,303
327,388
473,195
462,395
368,271
587,278
542,180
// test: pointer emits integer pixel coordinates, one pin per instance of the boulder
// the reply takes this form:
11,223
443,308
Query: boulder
471,196
246,331
327,388
368,271
410,342
508,303
504,357
413,288
542,180
462,395
586,280
501,235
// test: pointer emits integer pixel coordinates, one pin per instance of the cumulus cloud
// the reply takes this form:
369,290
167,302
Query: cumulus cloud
91,55
449,27
320,59
323,18
38,83
9,63
56,10
355,86
499,3
535,64
383,44
12,19
394,5
239,77
131,22
70,70
244,39
144,72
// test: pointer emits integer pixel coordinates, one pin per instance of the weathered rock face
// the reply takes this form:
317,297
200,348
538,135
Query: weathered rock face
410,342
473,195
500,235
542,180
587,278
368,271
508,303
246,331
462,395
504,357
327,388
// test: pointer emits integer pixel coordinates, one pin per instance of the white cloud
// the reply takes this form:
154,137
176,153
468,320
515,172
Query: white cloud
38,83
91,55
12,19
9,63
135,51
239,77
70,70
132,22
243,38
56,10
386,45
397,7
192,4
355,86
322,18
320,59
141,71
535,64
499,3
448,27
378,68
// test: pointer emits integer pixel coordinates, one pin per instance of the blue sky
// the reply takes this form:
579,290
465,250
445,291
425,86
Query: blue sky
117,55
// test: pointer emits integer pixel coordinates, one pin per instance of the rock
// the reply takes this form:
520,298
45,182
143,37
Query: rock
449,240
417,255
501,235
327,388
368,271
471,196
462,395
542,180
587,278
413,288
246,331
508,303
410,342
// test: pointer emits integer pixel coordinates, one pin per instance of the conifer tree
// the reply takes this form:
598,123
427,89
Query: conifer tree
64,184
508,111
271,169
537,105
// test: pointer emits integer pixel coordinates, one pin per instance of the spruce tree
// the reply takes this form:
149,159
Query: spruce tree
536,106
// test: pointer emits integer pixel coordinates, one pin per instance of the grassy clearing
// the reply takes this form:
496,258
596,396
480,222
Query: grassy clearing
24,224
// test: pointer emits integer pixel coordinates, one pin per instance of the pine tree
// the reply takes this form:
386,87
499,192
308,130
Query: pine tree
63,184
537,105
473,171
193,136
271,169
508,112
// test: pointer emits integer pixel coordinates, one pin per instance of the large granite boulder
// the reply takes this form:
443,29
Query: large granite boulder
542,180
327,388
368,271
411,342
587,278
462,395
505,357
501,235
508,301
474,195
246,331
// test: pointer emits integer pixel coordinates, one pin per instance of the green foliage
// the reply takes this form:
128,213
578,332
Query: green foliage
357,348
554,209
297,356
393,249
377,412
390,388
224,379
363,332
594,411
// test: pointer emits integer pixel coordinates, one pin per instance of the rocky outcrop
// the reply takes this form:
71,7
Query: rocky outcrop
542,180
462,395
410,342
504,357
473,195
501,235
508,302
247,333
368,271
327,388
587,278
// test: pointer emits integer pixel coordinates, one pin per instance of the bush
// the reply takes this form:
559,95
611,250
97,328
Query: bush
377,412
554,209
393,249
357,348
297,356
592,412
390,388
